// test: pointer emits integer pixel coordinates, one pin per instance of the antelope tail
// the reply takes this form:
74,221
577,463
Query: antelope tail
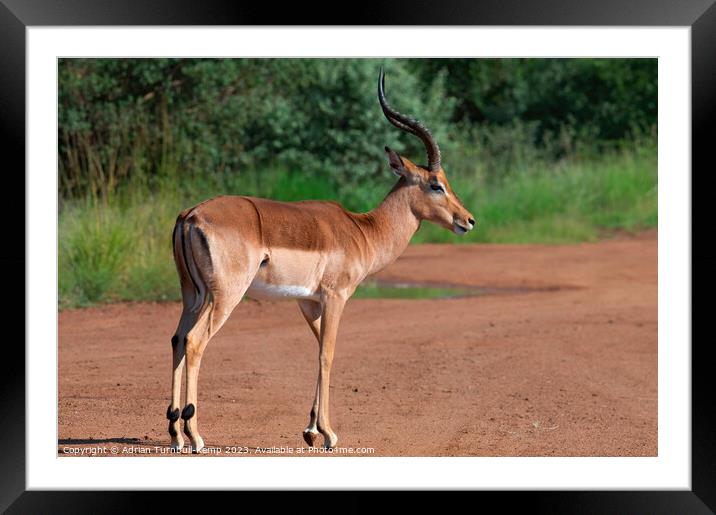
183,238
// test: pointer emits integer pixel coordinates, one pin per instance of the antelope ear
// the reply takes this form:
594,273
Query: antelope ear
396,162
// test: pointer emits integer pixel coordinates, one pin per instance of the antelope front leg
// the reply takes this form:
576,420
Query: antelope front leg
310,434
332,311
312,313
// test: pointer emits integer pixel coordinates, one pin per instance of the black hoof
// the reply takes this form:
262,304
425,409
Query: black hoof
310,438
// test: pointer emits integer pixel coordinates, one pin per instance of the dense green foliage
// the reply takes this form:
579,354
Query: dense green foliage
545,150
604,99
125,121
143,119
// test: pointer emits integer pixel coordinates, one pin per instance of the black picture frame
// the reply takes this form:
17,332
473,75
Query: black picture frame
17,15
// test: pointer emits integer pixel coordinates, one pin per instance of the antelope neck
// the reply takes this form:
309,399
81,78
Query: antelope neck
389,227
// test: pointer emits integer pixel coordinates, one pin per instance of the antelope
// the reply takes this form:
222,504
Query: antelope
316,252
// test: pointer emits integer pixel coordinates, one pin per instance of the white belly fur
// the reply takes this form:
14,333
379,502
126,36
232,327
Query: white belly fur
261,290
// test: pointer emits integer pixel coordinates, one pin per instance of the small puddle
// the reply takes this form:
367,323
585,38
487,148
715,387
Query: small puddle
413,290
406,290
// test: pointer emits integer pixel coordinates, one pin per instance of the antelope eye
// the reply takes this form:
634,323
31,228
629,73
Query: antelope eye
437,187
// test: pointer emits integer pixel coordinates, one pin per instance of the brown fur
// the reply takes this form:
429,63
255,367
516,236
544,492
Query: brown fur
314,247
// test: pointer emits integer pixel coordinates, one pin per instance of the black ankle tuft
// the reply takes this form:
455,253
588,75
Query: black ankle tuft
173,416
188,412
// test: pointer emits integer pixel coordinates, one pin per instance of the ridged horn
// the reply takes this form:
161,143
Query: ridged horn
410,125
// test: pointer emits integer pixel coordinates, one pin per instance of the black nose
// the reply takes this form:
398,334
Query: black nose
471,221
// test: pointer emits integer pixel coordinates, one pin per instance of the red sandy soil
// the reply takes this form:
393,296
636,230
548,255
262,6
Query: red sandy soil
562,363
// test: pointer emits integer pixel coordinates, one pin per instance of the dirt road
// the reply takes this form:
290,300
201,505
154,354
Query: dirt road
562,363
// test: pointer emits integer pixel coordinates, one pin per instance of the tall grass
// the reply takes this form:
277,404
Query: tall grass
568,201
119,247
